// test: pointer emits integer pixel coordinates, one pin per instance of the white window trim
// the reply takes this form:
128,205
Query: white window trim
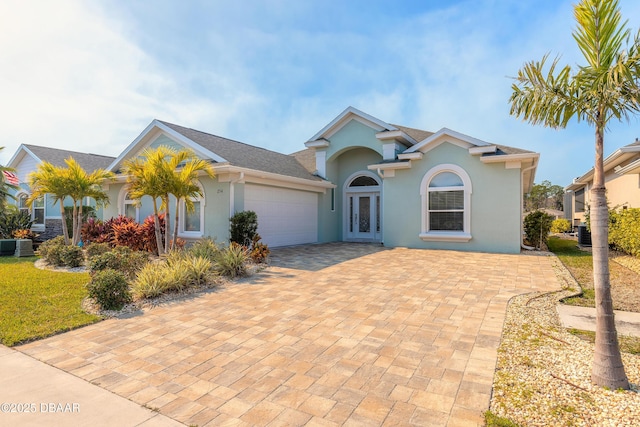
34,226
446,236
123,202
183,216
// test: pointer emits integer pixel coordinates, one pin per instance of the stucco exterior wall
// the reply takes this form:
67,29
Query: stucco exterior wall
495,203
623,190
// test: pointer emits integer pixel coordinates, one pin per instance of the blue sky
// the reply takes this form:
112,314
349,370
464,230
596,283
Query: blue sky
90,76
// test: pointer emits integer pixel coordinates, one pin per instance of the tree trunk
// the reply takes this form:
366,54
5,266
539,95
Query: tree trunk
74,220
65,230
167,225
175,225
76,231
607,369
156,223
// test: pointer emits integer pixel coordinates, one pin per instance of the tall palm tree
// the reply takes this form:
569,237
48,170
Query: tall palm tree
81,186
50,179
185,186
607,87
5,186
143,181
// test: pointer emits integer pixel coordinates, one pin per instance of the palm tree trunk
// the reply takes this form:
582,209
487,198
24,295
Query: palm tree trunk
156,223
76,231
175,225
167,225
74,220
65,230
607,369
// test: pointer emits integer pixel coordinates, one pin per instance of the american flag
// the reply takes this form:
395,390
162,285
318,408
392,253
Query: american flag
11,178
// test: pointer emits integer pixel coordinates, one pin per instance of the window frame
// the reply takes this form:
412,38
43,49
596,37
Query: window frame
124,201
31,210
183,216
426,234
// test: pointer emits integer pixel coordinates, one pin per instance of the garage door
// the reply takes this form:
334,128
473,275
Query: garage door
285,217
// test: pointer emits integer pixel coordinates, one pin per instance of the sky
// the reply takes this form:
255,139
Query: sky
91,75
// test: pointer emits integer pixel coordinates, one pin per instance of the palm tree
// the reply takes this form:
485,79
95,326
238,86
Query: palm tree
5,186
185,187
50,179
83,185
604,89
143,181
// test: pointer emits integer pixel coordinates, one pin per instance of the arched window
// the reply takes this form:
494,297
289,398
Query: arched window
446,204
192,223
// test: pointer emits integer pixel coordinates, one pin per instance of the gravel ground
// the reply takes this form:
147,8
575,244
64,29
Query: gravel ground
543,375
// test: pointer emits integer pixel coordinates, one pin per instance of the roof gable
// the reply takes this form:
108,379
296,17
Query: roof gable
351,113
456,138
55,156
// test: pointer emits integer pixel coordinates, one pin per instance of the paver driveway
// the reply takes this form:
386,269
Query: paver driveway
335,334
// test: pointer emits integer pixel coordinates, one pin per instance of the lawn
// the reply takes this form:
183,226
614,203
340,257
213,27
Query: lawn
37,303
624,282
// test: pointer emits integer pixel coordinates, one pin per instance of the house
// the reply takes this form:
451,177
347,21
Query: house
45,213
359,179
622,180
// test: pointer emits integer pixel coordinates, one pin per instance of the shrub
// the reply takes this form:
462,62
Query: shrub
71,256
95,249
92,231
200,270
51,250
231,261
24,234
259,251
560,225
205,248
11,220
109,289
244,227
150,282
129,234
149,233
122,259
88,212
537,226
624,230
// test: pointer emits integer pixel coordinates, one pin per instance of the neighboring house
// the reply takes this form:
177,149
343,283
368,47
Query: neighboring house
622,180
359,179
44,212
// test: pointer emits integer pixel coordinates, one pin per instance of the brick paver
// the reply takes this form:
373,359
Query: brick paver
334,334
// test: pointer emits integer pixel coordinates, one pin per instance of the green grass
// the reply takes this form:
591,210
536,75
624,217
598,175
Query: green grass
493,420
628,344
580,264
37,303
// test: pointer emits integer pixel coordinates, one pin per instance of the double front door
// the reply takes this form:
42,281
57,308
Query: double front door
363,216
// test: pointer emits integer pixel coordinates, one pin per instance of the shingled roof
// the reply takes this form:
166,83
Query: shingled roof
55,156
245,155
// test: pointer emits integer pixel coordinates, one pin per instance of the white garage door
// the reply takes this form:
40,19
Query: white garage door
285,217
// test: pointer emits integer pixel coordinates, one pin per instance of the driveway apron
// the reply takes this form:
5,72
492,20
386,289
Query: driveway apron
331,334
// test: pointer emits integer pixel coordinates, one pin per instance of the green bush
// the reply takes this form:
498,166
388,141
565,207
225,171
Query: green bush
11,220
537,226
95,249
71,256
205,248
122,259
46,248
560,225
232,261
199,270
244,227
150,282
109,288
624,230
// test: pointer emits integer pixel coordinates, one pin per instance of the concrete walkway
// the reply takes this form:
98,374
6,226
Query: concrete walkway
584,318
33,393
331,335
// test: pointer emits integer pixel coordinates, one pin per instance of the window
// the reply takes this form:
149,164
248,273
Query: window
579,196
192,223
36,211
446,204
131,209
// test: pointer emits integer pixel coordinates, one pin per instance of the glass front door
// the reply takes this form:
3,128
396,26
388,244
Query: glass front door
363,211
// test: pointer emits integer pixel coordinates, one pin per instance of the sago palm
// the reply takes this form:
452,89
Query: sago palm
606,88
